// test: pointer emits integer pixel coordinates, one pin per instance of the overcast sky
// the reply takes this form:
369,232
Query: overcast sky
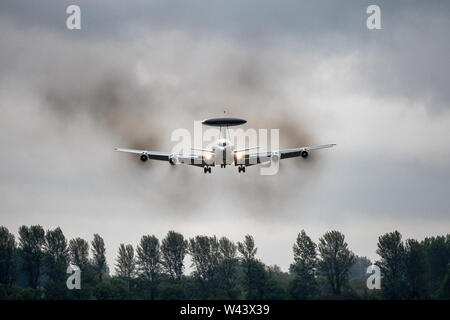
138,70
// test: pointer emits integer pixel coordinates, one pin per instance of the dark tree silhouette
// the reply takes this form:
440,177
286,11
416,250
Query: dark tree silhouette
56,254
174,249
98,256
304,285
126,264
336,259
79,252
410,270
247,248
416,270
254,270
392,265
7,257
149,257
358,270
437,254
227,273
31,242
206,255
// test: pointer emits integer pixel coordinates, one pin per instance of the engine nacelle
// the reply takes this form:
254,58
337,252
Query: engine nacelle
173,160
304,154
144,157
275,157
209,158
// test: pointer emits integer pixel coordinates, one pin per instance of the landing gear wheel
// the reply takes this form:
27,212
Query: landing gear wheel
241,169
205,169
209,169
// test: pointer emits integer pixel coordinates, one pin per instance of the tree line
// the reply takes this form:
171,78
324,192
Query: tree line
34,267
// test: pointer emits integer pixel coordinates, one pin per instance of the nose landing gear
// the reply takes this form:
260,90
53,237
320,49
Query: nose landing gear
241,168
206,169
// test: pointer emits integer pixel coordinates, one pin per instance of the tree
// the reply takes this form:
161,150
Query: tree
7,257
79,252
255,280
392,252
416,269
336,259
227,274
304,285
31,242
247,248
276,283
149,257
358,270
254,270
205,252
56,254
99,259
126,264
437,255
174,249
445,287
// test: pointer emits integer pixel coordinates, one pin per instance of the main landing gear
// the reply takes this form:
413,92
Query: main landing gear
241,169
206,169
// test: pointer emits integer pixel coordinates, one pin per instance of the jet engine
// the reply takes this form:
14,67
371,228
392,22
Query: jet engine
144,157
275,157
173,160
304,154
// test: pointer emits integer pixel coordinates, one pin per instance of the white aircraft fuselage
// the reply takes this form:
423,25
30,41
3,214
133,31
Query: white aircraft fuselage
223,153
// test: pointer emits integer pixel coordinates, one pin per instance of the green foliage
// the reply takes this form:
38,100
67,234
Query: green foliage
57,290
437,254
99,257
173,249
222,270
336,259
255,278
254,273
79,252
171,291
445,288
126,264
56,254
304,285
277,283
149,257
7,256
205,255
392,265
358,270
247,248
31,242
15,292
415,270
227,271
111,290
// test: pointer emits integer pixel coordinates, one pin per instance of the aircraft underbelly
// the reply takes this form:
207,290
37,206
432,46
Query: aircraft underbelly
224,156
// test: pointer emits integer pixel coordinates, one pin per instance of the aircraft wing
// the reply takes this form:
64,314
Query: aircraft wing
297,152
262,157
150,154
188,159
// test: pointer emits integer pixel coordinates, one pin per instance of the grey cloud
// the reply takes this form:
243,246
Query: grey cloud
180,80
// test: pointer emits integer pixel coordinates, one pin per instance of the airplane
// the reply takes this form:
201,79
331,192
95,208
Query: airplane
223,152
